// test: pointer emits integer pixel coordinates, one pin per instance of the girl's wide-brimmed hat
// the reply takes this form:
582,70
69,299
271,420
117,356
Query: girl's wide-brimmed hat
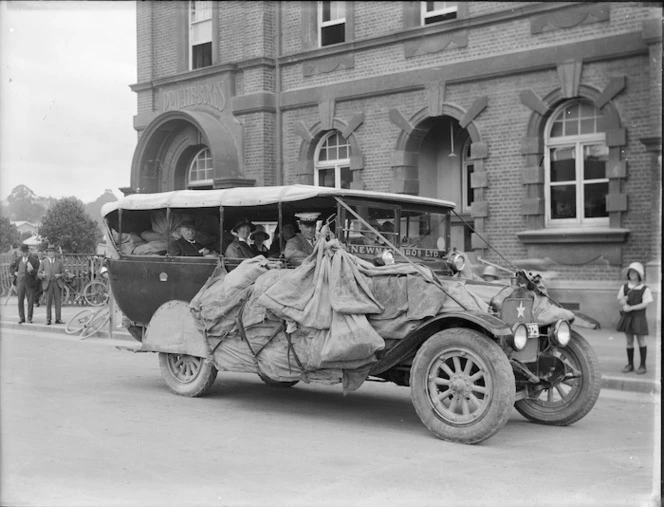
241,222
259,234
636,266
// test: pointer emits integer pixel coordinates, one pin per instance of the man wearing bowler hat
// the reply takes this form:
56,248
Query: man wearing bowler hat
240,247
51,273
187,245
301,246
25,270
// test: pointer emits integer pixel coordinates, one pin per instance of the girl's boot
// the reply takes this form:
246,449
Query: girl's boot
642,368
630,361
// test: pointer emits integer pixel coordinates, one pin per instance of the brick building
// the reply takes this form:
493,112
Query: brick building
542,121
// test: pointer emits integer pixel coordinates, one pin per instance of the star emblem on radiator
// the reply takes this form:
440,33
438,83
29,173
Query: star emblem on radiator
520,310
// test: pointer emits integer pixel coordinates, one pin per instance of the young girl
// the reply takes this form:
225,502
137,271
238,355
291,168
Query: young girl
634,296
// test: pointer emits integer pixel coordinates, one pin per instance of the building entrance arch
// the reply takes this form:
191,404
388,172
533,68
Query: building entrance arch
442,156
160,158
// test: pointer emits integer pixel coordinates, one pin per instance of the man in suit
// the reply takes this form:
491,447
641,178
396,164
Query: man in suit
240,247
301,246
187,245
51,273
25,270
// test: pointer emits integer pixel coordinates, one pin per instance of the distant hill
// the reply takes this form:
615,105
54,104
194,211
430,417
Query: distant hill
94,208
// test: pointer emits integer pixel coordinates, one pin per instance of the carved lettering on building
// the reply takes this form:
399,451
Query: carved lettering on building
211,94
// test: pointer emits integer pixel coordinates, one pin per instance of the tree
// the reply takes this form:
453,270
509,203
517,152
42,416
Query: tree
94,208
22,205
66,224
9,236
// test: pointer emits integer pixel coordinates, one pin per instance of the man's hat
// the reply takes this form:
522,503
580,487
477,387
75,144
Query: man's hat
307,218
50,248
189,223
243,221
25,248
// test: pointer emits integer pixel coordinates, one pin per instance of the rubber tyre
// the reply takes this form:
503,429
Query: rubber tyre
98,320
96,293
571,399
476,379
77,323
276,383
187,375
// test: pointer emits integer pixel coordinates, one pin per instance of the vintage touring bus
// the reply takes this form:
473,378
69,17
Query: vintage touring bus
467,365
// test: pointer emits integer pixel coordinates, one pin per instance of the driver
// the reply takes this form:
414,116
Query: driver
301,246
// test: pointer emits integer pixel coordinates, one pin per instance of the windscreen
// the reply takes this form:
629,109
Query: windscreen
418,233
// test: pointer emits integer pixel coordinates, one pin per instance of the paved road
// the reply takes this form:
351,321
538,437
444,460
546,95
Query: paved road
86,424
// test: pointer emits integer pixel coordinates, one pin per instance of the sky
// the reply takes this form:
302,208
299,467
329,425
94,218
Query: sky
66,109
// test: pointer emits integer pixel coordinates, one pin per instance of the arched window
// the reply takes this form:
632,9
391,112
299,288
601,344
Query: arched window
201,171
575,160
332,162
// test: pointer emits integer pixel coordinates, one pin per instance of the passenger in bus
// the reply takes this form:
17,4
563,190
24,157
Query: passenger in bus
240,247
259,236
281,238
301,246
186,245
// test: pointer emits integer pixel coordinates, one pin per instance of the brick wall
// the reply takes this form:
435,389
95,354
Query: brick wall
247,31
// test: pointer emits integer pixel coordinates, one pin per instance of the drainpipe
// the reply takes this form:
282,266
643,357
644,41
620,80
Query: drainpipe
277,91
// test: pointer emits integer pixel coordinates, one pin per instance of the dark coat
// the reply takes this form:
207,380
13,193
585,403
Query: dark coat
25,276
239,250
185,248
48,270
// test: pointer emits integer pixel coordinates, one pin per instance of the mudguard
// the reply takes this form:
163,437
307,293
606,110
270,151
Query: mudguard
172,329
409,345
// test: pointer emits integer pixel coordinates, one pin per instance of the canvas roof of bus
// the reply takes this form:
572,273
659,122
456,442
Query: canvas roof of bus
256,196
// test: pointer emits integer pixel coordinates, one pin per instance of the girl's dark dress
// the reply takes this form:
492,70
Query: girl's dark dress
634,322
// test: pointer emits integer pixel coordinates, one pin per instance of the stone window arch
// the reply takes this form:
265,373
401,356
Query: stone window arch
578,243
314,136
533,149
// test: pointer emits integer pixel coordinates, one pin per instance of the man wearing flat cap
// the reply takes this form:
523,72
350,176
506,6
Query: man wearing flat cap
51,273
301,246
25,270
240,247
187,245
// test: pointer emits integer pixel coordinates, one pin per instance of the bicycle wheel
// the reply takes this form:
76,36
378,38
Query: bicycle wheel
98,320
79,321
96,293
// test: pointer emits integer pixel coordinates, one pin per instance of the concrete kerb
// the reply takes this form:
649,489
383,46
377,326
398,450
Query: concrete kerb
617,382
120,334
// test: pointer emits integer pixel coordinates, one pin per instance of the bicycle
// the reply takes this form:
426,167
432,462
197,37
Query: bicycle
88,321
94,293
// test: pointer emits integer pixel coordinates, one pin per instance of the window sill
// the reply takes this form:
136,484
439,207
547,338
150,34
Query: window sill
574,235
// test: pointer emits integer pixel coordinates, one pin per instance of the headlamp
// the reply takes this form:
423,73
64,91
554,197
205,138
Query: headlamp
520,337
561,333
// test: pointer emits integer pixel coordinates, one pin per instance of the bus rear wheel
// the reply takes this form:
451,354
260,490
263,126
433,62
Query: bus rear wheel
187,375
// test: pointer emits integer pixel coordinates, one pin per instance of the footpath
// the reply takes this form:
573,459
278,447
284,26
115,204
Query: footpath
608,343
